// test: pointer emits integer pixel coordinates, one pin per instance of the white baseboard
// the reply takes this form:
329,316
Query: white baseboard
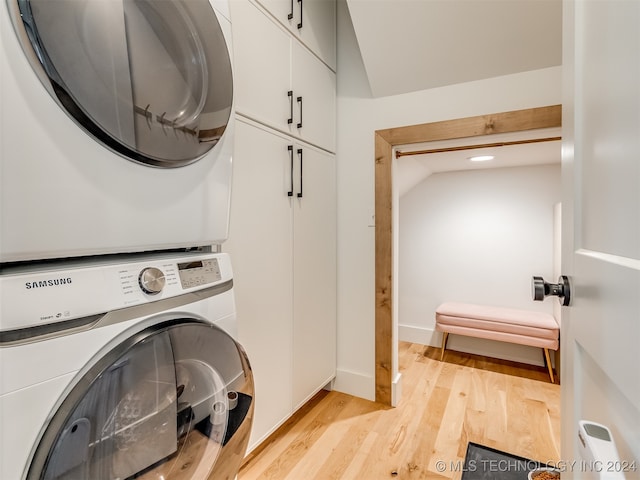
356,384
420,335
477,346
396,390
363,386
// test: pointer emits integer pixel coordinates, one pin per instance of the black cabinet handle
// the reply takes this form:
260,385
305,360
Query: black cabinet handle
299,24
300,155
290,192
299,100
290,16
290,95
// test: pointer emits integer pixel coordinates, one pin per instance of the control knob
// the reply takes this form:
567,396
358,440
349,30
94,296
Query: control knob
151,280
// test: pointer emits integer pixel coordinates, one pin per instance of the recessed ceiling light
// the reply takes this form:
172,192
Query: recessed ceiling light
481,158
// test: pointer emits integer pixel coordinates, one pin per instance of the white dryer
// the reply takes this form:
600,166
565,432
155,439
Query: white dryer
122,370
116,126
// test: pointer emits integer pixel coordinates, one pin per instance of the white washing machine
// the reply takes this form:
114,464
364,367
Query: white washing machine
116,126
122,370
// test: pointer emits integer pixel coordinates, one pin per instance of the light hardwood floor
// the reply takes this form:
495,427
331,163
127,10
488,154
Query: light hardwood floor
444,405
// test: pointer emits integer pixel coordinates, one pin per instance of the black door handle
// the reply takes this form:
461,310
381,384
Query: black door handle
300,155
290,95
562,289
299,24
290,148
290,16
299,100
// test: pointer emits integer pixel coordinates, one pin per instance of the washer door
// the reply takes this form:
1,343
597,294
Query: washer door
149,79
176,398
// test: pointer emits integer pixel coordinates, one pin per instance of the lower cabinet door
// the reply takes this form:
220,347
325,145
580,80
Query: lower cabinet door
260,245
314,273
282,242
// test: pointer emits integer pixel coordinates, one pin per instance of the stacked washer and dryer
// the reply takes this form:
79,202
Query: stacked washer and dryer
118,349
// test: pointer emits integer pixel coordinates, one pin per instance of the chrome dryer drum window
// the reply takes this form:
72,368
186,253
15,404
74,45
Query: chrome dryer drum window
150,79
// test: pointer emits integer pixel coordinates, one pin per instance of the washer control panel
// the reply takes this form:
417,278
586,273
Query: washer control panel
32,295
199,272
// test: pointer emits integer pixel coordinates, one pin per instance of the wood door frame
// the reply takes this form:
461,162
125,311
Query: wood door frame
385,140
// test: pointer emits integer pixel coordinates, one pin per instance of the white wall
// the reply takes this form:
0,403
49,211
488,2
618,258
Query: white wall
359,115
476,236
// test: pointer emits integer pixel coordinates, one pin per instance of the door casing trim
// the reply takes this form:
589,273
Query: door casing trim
385,141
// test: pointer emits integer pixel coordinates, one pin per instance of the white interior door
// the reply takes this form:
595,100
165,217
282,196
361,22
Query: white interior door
601,229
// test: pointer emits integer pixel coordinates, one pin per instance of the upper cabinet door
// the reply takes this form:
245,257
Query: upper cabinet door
318,30
279,82
312,21
314,86
262,62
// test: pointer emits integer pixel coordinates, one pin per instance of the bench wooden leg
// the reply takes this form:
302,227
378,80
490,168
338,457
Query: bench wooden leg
445,335
548,362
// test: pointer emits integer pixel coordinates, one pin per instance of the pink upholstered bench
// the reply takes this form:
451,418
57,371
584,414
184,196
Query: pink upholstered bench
524,327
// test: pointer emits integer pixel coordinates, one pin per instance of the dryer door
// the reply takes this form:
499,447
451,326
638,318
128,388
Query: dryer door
176,398
151,80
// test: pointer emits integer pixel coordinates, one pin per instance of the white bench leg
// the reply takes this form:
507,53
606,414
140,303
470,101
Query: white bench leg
445,335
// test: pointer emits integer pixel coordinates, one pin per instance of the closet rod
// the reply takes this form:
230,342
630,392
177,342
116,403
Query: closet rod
473,147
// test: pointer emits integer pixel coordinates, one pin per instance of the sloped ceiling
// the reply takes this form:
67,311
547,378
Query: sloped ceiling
412,45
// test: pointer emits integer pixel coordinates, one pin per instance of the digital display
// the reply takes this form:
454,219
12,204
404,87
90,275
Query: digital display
199,272
190,265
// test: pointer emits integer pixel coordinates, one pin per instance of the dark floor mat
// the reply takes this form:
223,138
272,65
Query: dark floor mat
486,463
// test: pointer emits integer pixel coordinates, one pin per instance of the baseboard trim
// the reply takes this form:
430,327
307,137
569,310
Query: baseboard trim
396,390
420,335
356,384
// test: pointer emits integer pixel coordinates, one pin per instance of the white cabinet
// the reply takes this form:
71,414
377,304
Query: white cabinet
315,86
283,245
260,244
313,22
314,273
279,82
283,201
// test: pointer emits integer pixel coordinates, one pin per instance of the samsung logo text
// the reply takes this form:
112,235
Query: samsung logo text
54,282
